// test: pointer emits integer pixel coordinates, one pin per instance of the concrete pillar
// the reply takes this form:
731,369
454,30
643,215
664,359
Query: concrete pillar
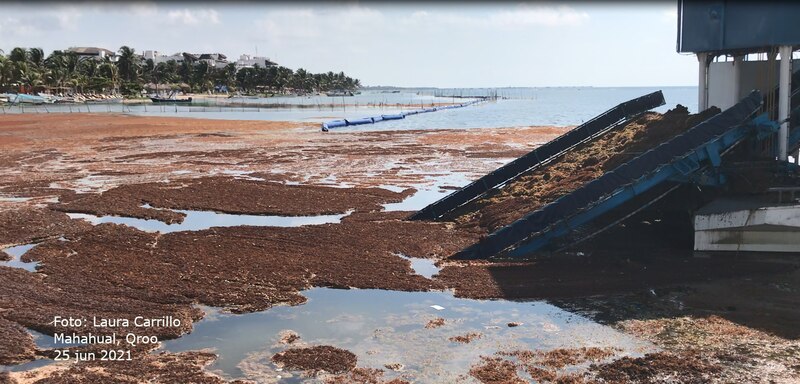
784,84
702,82
737,78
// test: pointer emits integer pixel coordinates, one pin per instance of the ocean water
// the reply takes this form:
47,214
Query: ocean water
558,106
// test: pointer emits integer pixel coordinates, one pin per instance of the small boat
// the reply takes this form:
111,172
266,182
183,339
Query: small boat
339,93
170,99
24,98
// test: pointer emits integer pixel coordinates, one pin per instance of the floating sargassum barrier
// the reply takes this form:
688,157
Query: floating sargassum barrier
399,116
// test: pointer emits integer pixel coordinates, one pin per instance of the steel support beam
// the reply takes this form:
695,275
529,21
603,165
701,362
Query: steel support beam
702,81
738,61
784,87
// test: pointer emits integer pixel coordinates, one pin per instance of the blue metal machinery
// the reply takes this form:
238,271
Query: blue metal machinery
735,26
682,158
602,123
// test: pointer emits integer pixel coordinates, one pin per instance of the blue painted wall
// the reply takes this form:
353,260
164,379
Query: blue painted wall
731,26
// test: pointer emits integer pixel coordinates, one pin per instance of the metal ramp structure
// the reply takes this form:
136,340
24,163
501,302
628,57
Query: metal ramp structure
587,131
691,156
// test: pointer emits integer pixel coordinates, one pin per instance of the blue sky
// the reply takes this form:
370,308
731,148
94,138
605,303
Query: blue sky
404,44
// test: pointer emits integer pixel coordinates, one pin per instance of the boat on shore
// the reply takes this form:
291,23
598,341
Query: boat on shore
170,99
24,98
167,100
339,93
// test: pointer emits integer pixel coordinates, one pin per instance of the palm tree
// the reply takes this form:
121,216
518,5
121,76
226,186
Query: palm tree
129,64
283,78
109,71
35,57
300,79
147,70
5,72
201,76
30,77
18,55
229,75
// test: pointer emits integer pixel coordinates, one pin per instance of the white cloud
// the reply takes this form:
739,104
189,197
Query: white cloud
541,15
670,16
523,16
419,14
190,17
143,9
13,27
296,23
23,25
278,26
68,17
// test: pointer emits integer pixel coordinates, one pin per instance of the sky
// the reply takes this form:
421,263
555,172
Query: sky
448,44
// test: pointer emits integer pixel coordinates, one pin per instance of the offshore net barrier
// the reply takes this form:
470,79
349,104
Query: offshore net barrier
195,106
398,116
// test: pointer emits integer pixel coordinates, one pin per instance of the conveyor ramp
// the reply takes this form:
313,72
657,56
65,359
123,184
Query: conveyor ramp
679,158
586,131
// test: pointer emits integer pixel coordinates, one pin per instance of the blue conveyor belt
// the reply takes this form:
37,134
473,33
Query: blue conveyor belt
679,157
540,155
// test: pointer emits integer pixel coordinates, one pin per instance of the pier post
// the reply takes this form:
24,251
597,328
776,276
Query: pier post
784,84
702,82
738,61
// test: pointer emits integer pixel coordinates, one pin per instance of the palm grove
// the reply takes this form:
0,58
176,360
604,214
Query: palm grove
65,71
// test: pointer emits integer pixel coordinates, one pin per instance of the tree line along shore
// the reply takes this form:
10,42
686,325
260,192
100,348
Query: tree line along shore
28,70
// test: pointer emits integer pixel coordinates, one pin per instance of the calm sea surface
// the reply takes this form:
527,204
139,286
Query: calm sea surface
520,107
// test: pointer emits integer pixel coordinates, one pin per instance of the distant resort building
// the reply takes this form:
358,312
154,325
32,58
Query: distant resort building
217,60
93,53
157,57
247,61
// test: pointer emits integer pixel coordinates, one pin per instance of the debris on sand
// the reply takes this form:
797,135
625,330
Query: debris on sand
435,323
494,370
466,338
288,337
17,344
228,195
363,376
575,168
394,366
561,357
549,366
711,345
316,359
659,367
184,367
27,225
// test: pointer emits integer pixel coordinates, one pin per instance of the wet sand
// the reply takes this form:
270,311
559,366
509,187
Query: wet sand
111,164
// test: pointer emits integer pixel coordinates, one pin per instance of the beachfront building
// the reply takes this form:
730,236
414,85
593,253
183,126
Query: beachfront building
247,61
93,53
157,57
216,60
